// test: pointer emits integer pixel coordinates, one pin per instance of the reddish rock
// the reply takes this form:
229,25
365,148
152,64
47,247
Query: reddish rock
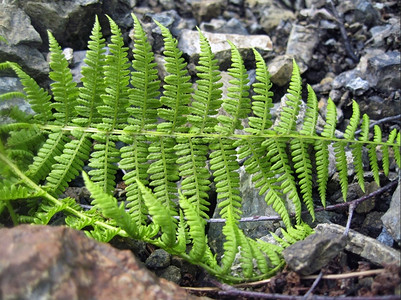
43,262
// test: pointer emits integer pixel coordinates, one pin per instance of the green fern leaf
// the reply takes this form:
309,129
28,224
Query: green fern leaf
64,89
322,152
206,99
377,138
37,97
237,105
262,100
161,216
196,226
289,113
89,97
69,163
109,207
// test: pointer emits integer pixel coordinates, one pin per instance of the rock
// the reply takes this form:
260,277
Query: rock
361,11
383,71
69,21
221,26
171,273
205,10
122,15
344,78
391,219
385,237
189,45
315,3
23,41
280,69
12,84
372,224
314,252
158,259
301,44
382,33
358,86
44,262
364,246
272,16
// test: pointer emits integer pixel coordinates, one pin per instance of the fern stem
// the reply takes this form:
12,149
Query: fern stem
49,197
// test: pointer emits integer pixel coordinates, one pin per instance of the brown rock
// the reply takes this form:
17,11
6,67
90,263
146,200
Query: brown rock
43,262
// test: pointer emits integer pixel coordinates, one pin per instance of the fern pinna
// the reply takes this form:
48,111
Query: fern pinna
172,144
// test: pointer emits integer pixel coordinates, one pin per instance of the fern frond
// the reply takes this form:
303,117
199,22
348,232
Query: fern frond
276,153
377,138
192,168
69,163
19,192
177,87
262,100
196,226
64,89
259,166
45,158
385,151
303,169
113,111
37,97
322,152
109,207
12,95
238,104
357,151
145,84
161,216
230,245
311,114
89,97
289,113
207,96
223,163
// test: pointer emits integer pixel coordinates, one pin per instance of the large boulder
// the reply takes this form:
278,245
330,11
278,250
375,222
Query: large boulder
44,262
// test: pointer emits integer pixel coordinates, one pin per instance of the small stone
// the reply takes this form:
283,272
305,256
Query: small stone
385,237
313,253
358,86
364,246
171,273
272,16
205,10
158,259
391,218
280,69
301,44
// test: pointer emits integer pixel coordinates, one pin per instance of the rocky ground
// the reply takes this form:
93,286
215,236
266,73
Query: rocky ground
346,50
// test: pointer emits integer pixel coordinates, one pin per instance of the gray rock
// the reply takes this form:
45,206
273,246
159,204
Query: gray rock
364,246
383,71
69,21
280,69
12,84
361,11
171,273
205,10
189,45
23,39
272,16
358,86
158,259
373,224
313,253
344,78
301,44
391,218
385,237
221,26
315,3
50,262
382,32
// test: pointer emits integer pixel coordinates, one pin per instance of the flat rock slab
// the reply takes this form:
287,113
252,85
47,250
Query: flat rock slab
44,262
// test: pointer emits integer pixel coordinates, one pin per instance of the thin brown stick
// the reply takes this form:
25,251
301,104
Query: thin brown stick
309,277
